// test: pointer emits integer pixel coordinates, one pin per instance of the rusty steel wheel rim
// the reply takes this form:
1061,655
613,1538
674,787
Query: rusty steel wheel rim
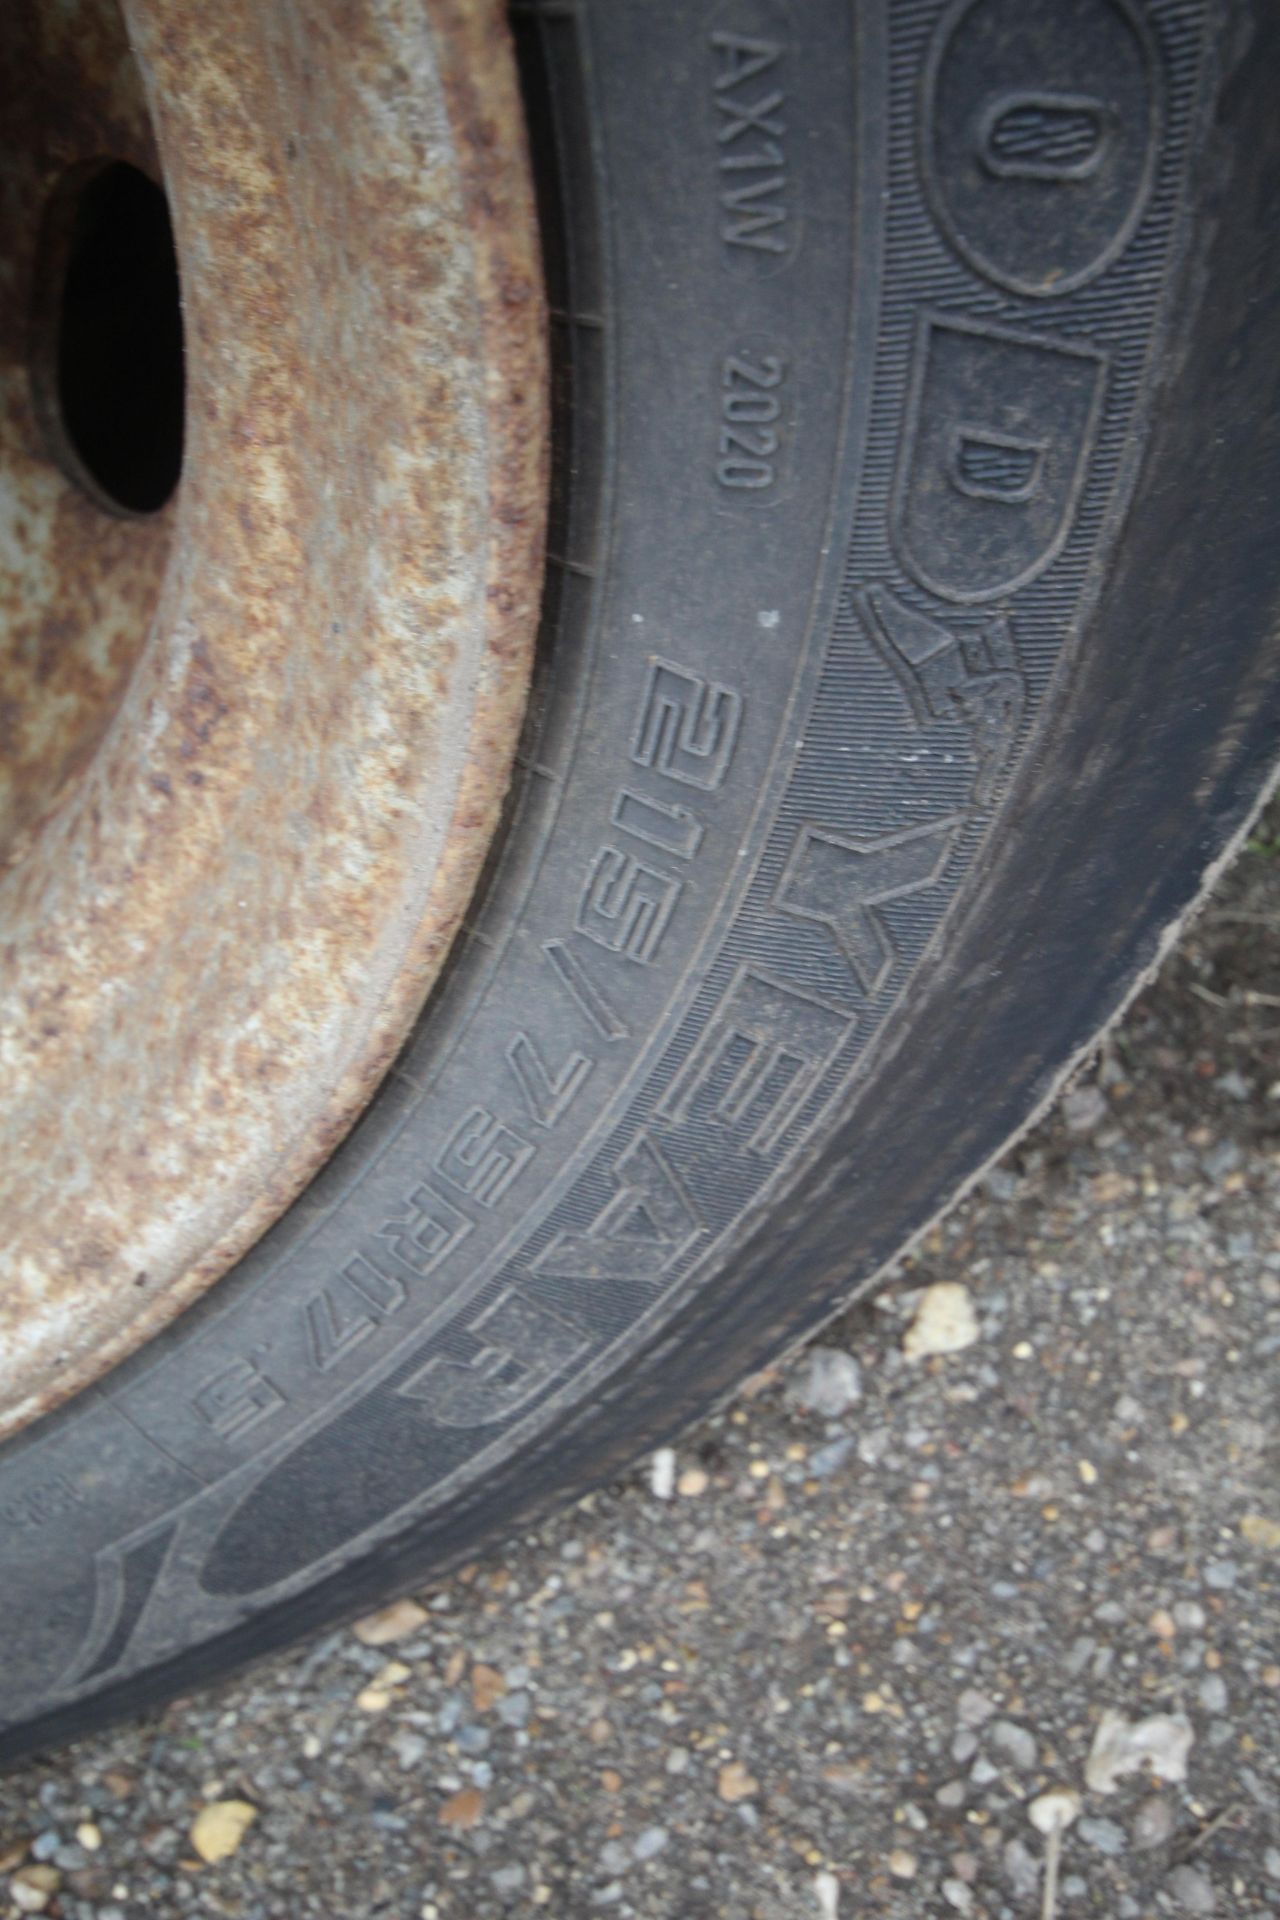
253,742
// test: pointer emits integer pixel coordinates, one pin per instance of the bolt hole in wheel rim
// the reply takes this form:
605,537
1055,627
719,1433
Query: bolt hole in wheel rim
272,483
106,349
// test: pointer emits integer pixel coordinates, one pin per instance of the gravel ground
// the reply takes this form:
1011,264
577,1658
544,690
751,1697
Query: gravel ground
825,1659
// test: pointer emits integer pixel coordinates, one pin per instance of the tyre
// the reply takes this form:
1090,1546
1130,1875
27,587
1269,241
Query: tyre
907,662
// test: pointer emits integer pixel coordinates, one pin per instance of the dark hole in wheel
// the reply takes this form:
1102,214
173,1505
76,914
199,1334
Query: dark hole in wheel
109,353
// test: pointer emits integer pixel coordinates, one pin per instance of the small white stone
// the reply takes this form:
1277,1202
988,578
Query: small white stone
828,1382
396,1622
1161,1742
662,1473
945,1322
28,1899
218,1829
826,1892
958,1895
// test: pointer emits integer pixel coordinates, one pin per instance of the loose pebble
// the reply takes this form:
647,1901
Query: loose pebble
1014,1744
735,1782
824,1461
662,1473
29,1893
1192,1891
975,1708
827,1382
1153,1824
945,1322
399,1621
826,1895
1103,1835
410,1750
487,1686
1122,1746
219,1828
32,1888
462,1810
1084,1108
1021,1868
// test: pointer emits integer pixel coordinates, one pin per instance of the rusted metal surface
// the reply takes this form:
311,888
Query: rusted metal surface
77,586
293,695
